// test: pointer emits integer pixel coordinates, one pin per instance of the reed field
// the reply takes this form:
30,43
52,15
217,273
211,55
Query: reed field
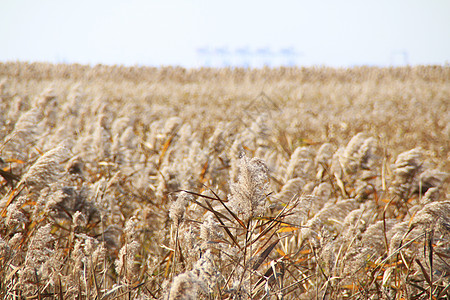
171,183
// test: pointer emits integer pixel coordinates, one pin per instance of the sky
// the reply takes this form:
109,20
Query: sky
226,33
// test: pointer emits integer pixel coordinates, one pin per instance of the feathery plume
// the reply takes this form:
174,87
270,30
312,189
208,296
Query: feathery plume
328,218
433,214
248,193
176,213
37,259
359,154
46,169
412,175
126,264
301,164
290,189
185,287
26,132
324,158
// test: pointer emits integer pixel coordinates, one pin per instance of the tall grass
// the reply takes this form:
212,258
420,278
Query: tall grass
167,183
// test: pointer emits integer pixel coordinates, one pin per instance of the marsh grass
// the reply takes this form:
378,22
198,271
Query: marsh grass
167,183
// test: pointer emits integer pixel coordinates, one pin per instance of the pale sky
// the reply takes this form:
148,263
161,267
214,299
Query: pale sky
171,32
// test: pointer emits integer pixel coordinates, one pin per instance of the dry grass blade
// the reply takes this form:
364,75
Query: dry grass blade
60,289
228,210
424,272
174,257
208,206
429,241
97,288
9,177
128,291
443,258
218,217
165,147
384,226
277,220
444,291
294,284
259,260
399,249
112,291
